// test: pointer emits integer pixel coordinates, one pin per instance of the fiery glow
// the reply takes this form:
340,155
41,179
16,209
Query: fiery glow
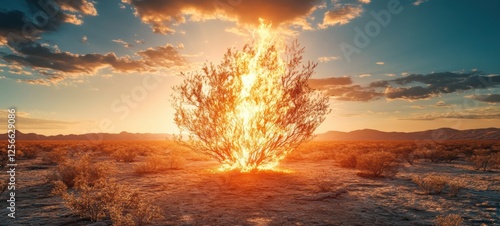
252,109
260,89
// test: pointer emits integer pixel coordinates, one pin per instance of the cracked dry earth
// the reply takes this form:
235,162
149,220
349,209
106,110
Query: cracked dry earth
312,193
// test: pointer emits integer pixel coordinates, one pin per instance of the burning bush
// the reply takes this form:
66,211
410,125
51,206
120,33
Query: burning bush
254,108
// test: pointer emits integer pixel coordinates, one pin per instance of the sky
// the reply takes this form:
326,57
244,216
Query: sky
81,66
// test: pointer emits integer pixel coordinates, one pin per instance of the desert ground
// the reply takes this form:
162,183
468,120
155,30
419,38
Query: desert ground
313,186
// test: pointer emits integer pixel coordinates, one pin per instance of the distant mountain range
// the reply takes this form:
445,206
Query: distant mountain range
436,134
92,136
365,134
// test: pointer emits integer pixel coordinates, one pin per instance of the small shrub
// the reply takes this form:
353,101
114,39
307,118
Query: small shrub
378,163
3,186
485,159
95,196
56,156
83,167
449,220
175,161
107,198
4,158
152,164
406,154
455,185
348,160
124,155
158,163
29,152
432,184
324,182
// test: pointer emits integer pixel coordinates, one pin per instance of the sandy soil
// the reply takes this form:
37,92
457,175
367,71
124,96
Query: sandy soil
312,193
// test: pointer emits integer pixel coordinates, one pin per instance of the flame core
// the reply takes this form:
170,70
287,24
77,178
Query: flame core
260,89
254,108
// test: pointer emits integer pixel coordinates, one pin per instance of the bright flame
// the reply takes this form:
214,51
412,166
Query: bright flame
260,87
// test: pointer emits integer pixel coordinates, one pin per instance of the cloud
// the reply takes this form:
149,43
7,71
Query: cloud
162,56
163,16
84,6
50,63
328,58
411,93
380,63
124,43
418,2
412,87
441,103
341,88
491,98
354,93
26,122
472,113
340,15
364,75
364,1
420,86
22,25
84,39
390,75
325,83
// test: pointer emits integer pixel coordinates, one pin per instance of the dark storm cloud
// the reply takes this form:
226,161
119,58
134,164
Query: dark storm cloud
20,31
492,98
41,56
420,86
39,17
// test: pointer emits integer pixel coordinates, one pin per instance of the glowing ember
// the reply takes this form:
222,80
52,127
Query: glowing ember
254,108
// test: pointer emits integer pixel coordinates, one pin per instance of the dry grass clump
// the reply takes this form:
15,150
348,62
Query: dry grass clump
69,170
324,182
455,185
435,184
124,154
28,152
4,158
432,184
159,163
407,154
449,220
3,186
438,154
485,159
378,163
348,160
56,156
104,198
